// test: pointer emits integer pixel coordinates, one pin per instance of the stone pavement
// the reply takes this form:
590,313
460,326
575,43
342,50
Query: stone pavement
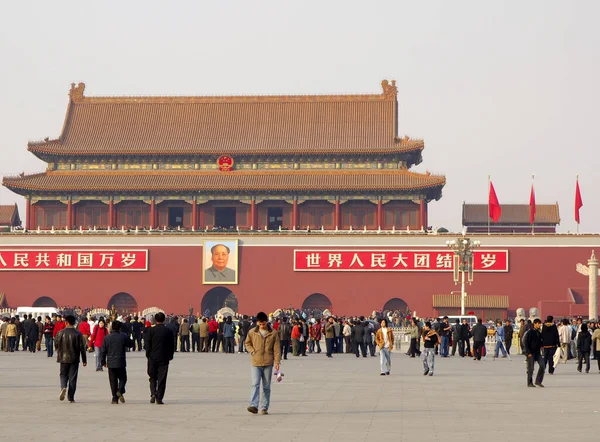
320,399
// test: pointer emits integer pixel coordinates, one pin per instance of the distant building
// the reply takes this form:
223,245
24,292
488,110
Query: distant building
514,219
9,216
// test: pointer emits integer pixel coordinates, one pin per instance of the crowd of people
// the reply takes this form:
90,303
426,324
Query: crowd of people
291,332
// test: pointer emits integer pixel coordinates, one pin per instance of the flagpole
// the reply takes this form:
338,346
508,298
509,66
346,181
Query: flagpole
532,190
489,189
577,184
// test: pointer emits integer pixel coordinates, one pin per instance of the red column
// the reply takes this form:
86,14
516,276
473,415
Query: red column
152,214
253,217
201,217
33,217
111,216
28,215
69,214
380,214
294,214
195,214
423,214
337,214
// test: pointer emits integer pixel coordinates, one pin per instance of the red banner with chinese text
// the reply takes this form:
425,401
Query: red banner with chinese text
394,260
73,259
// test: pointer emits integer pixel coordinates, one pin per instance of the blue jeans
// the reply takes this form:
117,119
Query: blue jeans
499,346
98,352
49,346
385,360
445,346
264,375
339,345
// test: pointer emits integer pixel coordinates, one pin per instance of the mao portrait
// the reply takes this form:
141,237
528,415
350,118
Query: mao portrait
220,262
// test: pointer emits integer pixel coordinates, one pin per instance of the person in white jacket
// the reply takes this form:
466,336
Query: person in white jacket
564,333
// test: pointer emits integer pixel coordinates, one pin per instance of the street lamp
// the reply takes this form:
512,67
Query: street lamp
463,262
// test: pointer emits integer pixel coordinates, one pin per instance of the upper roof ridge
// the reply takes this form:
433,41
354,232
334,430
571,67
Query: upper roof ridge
389,92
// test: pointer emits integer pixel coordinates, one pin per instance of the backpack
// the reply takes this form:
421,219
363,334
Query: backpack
573,333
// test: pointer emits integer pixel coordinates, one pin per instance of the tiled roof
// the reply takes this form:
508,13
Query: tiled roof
478,301
512,214
8,215
288,125
271,181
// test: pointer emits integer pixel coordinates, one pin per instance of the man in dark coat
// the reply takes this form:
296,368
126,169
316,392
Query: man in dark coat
113,357
70,346
550,342
455,339
532,344
32,334
358,337
479,334
173,325
464,335
126,327
508,335
244,328
137,328
160,347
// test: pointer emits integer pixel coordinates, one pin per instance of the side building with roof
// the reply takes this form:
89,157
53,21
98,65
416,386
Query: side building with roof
514,219
234,162
9,217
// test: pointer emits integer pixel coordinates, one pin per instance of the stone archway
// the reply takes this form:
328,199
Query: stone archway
396,304
217,298
44,301
317,301
124,303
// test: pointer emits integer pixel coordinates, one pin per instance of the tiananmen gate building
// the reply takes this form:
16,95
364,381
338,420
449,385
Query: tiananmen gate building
257,203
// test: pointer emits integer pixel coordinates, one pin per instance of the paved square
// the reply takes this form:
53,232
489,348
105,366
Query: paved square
321,399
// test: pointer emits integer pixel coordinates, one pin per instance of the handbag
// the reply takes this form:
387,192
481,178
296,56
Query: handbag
301,338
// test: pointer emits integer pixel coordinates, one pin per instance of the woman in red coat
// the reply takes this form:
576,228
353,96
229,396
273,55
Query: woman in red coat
100,332
85,330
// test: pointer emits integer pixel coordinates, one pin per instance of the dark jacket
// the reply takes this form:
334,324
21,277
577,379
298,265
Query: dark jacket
358,333
550,336
455,332
244,327
584,342
464,332
285,331
137,328
33,331
160,344
173,326
26,326
479,333
532,342
445,329
70,345
113,349
125,328
508,332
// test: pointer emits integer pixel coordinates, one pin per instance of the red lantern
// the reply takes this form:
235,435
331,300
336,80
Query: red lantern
471,313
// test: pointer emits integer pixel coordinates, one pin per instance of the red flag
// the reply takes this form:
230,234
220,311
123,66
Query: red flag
494,205
578,202
532,205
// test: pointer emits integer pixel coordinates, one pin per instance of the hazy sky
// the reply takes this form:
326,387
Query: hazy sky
506,88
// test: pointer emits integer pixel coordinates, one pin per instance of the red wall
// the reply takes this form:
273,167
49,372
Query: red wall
267,282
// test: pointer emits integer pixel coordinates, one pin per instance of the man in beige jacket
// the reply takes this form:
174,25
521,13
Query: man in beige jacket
263,344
